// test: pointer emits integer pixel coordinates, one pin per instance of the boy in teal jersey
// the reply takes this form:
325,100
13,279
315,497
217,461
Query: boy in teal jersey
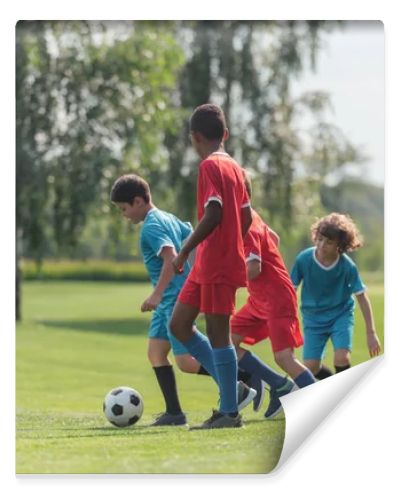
329,280
161,237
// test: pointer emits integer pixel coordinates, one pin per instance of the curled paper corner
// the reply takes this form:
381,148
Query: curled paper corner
305,409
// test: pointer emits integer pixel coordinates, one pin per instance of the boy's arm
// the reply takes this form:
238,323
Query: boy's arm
166,275
210,220
374,345
245,219
253,268
274,236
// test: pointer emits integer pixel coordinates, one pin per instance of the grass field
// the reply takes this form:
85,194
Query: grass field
77,340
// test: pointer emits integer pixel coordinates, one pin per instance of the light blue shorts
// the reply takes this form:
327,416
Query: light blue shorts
159,328
339,331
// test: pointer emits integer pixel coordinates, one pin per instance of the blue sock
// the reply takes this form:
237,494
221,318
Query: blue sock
225,362
305,378
200,348
252,364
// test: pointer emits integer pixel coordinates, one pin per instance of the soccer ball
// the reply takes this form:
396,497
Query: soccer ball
123,406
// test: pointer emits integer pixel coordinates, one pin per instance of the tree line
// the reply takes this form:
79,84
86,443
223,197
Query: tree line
98,99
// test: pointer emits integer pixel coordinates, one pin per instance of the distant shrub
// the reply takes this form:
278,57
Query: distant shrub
90,270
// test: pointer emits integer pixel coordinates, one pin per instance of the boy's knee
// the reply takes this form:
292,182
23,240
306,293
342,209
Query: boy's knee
157,358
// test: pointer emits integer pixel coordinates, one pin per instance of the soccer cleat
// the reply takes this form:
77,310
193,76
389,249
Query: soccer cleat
259,386
275,405
168,419
246,395
219,421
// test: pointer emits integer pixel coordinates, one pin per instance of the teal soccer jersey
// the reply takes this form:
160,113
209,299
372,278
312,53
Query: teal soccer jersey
327,292
161,229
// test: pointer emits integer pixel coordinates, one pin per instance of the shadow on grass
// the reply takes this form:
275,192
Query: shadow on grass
100,432
115,326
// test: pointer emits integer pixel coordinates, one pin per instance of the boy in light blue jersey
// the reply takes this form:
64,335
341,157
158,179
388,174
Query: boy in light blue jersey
161,238
329,280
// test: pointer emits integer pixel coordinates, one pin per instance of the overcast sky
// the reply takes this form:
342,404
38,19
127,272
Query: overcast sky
350,66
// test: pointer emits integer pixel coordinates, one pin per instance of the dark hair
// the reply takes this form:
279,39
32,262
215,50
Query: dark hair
127,187
209,120
338,227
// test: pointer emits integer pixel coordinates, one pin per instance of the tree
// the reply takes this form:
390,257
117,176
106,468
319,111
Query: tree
90,97
247,67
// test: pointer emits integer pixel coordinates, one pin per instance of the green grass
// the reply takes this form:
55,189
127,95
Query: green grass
76,342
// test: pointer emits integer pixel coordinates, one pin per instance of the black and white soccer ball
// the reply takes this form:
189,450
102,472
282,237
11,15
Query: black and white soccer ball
123,406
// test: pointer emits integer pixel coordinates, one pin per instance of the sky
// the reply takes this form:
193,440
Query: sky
350,66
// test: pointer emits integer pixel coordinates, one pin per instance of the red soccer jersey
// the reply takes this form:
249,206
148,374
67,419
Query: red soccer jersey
272,292
220,257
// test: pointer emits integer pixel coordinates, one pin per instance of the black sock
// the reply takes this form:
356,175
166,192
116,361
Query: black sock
244,376
341,368
202,371
324,372
166,380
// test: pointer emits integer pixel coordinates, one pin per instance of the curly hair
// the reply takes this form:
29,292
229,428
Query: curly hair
338,227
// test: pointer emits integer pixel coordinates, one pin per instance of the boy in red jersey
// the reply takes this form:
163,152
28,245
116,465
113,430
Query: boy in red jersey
270,311
224,216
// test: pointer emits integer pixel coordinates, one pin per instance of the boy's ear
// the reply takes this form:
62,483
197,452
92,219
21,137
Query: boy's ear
196,136
226,135
137,200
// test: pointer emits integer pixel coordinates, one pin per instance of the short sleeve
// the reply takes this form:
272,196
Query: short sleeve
156,237
296,274
210,183
252,246
186,229
356,283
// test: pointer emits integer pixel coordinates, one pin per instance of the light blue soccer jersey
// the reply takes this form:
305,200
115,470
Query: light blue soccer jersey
327,292
161,229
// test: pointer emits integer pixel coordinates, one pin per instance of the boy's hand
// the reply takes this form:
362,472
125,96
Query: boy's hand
179,261
151,302
374,346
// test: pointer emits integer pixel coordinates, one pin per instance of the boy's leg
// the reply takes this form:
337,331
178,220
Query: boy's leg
323,372
187,363
342,360
301,375
342,335
315,341
314,365
254,365
225,361
181,326
158,350
285,336
249,327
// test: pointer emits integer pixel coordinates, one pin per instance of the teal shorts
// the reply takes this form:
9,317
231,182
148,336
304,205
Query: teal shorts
339,331
159,328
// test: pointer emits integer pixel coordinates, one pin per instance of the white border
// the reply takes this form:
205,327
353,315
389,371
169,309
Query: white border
368,421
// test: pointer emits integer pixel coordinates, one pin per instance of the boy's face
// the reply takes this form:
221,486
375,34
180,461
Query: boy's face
133,212
326,247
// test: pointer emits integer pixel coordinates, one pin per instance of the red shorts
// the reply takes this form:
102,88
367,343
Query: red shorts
209,299
283,332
